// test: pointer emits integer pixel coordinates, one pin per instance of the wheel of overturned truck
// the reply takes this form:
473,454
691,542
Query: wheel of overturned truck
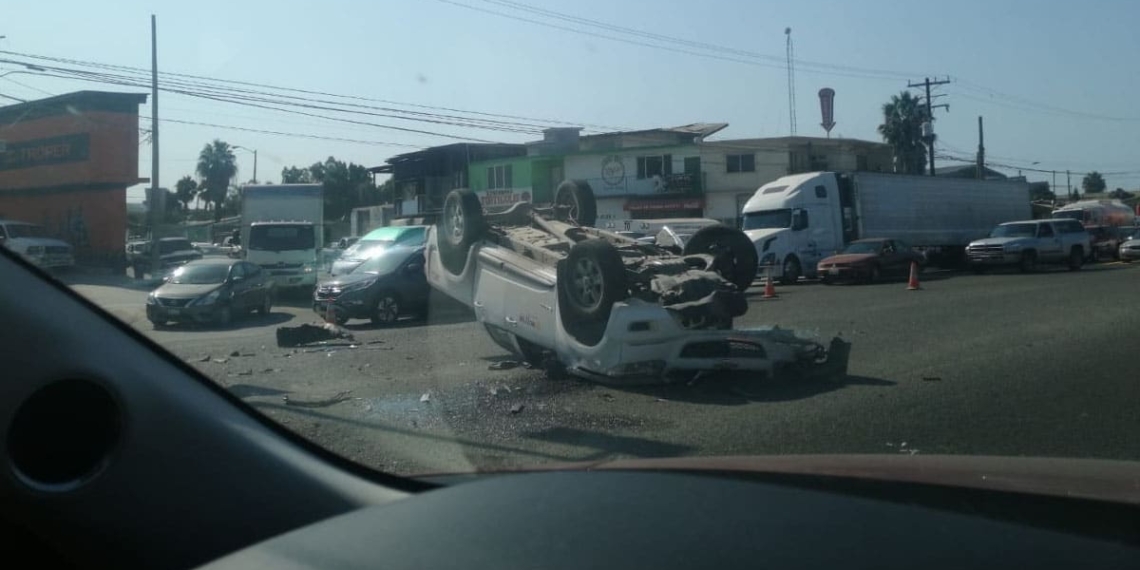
791,273
460,228
590,280
574,202
734,255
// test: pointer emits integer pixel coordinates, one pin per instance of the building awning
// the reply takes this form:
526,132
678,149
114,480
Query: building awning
663,204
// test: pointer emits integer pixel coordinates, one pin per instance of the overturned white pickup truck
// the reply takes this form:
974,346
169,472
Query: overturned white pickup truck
568,297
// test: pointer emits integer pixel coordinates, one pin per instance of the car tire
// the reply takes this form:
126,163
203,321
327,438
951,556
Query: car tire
590,280
792,270
575,203
387,309
533,354
1076,259
266,305
462,225
734,254
224,317
1028,262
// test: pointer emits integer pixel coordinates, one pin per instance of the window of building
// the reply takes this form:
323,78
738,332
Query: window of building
740,162
499,177
650,166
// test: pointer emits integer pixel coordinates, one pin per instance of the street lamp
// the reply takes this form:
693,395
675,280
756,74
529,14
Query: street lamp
254,151
29,70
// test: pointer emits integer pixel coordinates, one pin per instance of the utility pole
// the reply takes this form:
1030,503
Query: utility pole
928,128
790,47
1053,188
981,151
1069,183
155,213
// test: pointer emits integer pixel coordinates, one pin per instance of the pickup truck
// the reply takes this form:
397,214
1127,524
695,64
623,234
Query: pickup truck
1029,243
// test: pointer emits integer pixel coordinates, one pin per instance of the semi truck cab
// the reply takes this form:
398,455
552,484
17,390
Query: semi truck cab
798,220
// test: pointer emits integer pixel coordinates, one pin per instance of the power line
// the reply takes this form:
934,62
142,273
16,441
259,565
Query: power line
282,133
167,75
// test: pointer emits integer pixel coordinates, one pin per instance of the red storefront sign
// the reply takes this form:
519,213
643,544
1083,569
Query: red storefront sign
664,204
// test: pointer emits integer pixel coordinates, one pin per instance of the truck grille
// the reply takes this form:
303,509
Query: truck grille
986,248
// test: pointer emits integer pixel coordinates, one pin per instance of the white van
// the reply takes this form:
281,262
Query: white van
32,242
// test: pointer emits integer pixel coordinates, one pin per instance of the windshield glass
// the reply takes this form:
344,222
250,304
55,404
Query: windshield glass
281,238
384,263
25,231
1014,230
768,219
200,274
508,139
864,247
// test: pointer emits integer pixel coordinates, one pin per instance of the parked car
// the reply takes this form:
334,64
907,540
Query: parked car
33,243
383,288
1130,250
566,296
211,291
1029,243
375,242
871,260
173,252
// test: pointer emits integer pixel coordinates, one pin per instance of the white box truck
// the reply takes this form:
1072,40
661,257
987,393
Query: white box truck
283,231
799,219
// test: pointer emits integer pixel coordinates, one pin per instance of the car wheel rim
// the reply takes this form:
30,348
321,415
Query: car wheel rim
455,222
387,310
571,203
587,283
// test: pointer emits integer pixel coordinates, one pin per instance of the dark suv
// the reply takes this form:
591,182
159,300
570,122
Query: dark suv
173,252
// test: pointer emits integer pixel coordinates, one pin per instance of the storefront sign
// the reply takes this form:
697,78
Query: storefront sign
42,152
613,171
504,197
664,205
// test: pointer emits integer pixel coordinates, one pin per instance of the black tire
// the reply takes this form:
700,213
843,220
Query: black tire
224,317
792,271
590,280
531,353
734,254
461,226
266,305
387,309
1076,259
580,206
1028,262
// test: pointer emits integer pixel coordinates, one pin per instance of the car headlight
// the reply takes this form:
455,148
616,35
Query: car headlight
35,250
308,268
358,286
151,299
210,298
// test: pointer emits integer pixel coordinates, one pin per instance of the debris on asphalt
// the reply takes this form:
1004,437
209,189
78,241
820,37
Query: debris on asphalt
321,403
375,342
221,360
308,334
235,353
661,400
931,378
426,397
503,365
268,370
204,358
494,391
516,408
607,396
246,372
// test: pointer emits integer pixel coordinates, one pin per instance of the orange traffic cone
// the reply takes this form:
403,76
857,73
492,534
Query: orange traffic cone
769,286
913,284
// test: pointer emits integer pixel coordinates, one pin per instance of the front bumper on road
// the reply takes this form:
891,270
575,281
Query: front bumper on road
992,258
349,305
842,273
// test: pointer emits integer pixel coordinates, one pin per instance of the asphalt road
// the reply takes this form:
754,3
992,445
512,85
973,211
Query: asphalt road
996,364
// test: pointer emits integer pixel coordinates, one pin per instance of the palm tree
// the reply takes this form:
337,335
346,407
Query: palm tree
216,167
902,129
185,190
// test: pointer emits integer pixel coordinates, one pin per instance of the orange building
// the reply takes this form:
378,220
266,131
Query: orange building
66,163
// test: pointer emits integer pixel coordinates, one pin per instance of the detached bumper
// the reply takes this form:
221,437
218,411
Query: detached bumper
348,305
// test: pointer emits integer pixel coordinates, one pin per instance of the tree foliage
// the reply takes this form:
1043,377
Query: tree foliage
903,117
346,185
216,168
1041,192
1093,183
185,190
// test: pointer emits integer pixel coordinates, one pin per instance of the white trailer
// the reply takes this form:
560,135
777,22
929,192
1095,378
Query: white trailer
283,231
799,219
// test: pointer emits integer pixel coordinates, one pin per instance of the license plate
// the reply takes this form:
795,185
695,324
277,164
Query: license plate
833,271
174,312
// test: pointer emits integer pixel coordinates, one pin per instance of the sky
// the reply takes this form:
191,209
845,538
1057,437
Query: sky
1055,81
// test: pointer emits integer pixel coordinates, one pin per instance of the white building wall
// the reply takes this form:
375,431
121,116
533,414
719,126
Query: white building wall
614,173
